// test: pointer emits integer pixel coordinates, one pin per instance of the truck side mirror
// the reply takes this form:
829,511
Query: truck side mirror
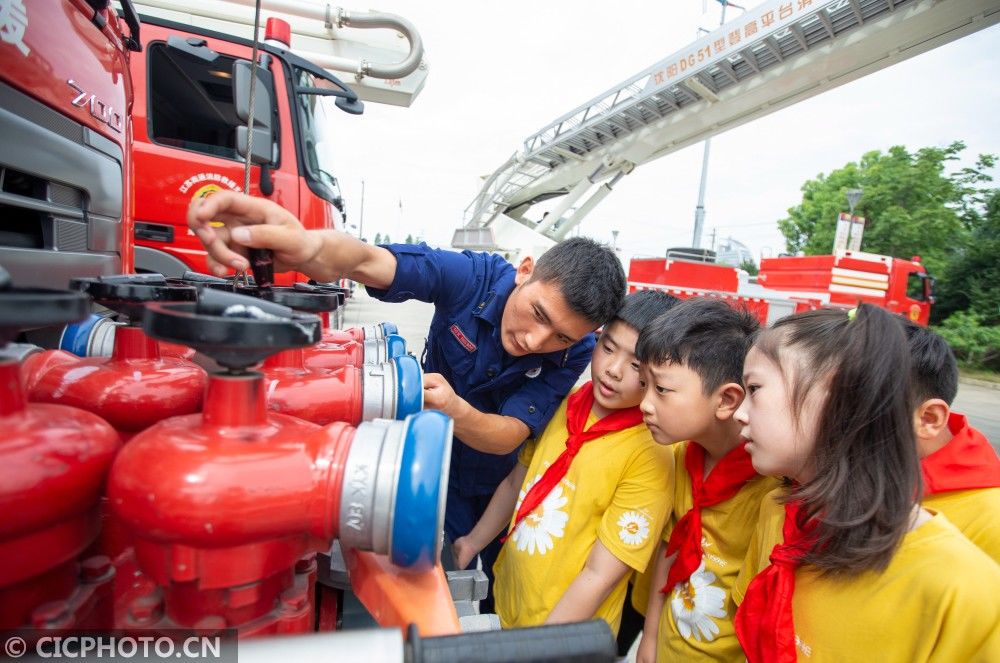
352,106
263,133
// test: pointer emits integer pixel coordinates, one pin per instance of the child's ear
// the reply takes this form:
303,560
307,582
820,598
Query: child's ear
930,419
729,398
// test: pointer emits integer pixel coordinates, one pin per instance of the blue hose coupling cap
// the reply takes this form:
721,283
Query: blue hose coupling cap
76,337
409,386
395,346
418,518
388,328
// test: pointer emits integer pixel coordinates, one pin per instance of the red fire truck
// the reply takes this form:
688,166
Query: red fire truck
191,106
65,96
793,284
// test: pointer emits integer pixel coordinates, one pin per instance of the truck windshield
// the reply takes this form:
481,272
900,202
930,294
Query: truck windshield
316,115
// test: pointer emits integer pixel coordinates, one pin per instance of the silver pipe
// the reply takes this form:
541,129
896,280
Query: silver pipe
382,645
339,17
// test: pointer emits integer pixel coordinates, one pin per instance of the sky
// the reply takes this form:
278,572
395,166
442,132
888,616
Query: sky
501,71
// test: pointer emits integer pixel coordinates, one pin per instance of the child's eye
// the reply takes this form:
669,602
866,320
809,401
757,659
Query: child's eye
661,390
642,383
752,388
635,366
607,348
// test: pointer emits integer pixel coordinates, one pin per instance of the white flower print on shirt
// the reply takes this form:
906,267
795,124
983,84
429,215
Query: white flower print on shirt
634,528
695,602
545,522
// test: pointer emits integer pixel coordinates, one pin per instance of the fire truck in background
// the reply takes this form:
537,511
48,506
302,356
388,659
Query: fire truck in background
792,284
192,101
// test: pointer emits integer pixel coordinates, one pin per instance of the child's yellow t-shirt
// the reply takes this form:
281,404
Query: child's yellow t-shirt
938,600
976,513
618,489
697,619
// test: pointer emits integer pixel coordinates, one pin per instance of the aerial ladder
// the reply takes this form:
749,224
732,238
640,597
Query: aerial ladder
772,56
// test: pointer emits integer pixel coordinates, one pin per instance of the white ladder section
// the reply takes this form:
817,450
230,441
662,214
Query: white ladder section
775,55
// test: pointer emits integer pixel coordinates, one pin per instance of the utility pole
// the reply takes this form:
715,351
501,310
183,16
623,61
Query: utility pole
699,211
853,196
361,220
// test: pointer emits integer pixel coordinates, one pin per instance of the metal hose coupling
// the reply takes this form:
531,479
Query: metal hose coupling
92,337
395,487
378,350
379,330
391,389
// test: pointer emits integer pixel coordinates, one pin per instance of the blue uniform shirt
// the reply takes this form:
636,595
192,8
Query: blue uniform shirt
469,291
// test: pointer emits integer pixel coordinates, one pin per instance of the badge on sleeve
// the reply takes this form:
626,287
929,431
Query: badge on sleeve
459,335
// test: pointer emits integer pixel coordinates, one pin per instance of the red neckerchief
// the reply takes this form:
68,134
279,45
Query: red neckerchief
967,462
764,622
725,480
578,407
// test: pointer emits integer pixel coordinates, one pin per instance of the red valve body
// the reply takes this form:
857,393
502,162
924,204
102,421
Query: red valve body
54,459
224,505
319,395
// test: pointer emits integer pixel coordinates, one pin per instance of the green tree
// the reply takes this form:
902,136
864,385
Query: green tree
750,267
972,280
911,205
386,240
409,239
378,238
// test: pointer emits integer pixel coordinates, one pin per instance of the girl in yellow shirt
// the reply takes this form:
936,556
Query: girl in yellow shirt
859,571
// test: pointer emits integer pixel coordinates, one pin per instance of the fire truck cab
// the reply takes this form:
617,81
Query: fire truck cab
191,107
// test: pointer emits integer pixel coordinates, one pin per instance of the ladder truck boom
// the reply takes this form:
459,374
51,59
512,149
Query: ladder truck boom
774,55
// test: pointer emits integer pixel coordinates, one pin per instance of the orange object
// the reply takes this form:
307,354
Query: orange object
397,597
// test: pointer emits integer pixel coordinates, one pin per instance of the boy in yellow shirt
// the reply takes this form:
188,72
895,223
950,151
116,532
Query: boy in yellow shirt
594,493
692,359
961,471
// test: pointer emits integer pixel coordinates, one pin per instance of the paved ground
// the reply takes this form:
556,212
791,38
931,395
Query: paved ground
981,404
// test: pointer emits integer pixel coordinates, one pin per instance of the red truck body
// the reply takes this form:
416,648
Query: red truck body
65,95
788,285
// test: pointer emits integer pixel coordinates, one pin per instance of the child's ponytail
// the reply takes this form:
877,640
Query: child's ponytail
867,475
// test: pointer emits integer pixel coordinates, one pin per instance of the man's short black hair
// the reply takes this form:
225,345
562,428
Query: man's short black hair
642,307
707,335
589,275
933,369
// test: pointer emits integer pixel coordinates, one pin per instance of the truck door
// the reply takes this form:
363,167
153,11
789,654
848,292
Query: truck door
185,140
919,296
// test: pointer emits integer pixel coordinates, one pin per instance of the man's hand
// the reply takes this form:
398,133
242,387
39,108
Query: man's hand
464,551
488,433
250,223
439,395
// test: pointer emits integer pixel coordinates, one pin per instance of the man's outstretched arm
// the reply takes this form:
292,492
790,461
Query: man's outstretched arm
324,255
